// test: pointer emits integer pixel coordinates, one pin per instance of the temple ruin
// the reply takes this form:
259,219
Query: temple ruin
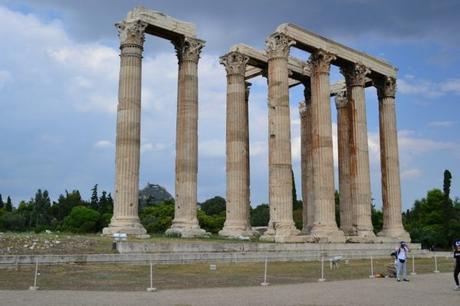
282,71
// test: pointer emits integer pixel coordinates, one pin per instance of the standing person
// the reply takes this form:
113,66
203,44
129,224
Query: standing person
457,264
401,259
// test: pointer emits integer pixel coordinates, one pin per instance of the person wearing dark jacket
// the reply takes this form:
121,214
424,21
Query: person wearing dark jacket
457,264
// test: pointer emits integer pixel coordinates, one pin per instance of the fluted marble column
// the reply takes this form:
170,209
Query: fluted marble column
324,225
280,176
237,139
343,130
355,76
389,159
305,160
185,221
125,215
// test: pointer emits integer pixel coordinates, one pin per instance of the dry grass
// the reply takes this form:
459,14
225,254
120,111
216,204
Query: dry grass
129,277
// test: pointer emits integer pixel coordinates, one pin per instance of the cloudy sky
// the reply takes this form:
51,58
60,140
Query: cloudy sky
59,76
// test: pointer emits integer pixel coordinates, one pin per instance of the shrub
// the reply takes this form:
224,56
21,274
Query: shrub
81,220
158,218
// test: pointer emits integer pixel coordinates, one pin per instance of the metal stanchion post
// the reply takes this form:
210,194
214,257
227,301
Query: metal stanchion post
413,265
265,283
35,287
151,288
372,268
435,264
322,279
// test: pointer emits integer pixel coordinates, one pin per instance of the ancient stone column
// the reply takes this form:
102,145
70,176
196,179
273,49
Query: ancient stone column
324,225
238,209
305,160
389,159
355,75
343,129
125,214
280,175
185,221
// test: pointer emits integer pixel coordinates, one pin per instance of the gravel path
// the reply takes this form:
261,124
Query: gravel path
425,289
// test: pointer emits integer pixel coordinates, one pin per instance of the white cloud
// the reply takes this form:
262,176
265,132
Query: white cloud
152,147
411,174
419,87
442,124
413,86
415,145
452,85
102,144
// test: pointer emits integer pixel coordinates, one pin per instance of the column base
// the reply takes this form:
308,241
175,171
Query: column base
396,234
184,229
280,230
238,232
327,233
132,227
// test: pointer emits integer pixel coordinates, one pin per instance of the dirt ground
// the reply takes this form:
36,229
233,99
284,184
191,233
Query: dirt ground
423,289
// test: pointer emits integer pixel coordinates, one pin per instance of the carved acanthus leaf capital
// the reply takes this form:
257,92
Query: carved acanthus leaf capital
320,61
341,99
188,49
277,45
235,63
131,32
386,88
355,74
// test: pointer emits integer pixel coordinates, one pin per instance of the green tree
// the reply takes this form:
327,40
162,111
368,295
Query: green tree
12,221
212,224
158,218
260,215
337,207
9,205
40,205
105,203
94,201
81,220
1,202
377,218
214,206
65,204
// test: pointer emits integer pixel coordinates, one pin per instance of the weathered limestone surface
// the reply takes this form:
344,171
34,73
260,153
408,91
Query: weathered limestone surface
359,151
281,222
237,222
324,224
185,221
343,138
391,186
162,25
125,218
306,160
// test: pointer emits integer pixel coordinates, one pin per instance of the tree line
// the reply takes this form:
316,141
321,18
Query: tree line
433,221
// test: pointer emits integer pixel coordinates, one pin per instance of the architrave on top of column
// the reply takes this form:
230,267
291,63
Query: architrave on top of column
311,42
301,70
162,25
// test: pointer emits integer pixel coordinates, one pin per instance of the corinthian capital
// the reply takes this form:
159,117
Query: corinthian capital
386,88
277,45
341,99
321,60
355,74
188,49
131,32
235,63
